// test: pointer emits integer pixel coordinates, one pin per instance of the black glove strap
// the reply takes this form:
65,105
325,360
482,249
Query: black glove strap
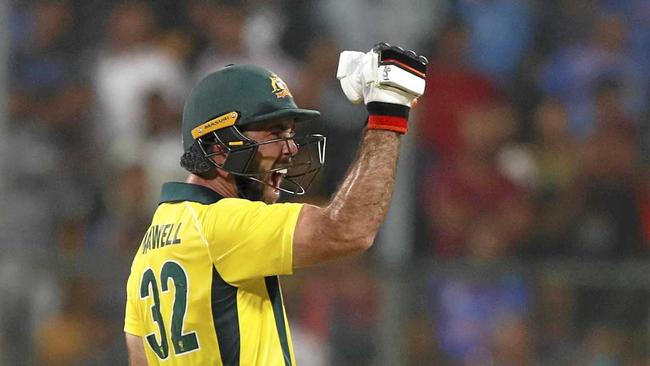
388,109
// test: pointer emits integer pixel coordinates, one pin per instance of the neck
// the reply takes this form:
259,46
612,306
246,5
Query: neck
223,184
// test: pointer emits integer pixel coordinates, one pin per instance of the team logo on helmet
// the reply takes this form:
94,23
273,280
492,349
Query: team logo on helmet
280,88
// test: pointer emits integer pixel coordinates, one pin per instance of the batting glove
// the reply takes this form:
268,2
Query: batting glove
387,79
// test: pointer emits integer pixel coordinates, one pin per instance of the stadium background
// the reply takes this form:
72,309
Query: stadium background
519,233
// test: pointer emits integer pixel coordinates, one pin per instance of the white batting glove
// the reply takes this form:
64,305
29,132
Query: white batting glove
387,79
385,74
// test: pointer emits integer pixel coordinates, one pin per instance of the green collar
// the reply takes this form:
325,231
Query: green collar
178,192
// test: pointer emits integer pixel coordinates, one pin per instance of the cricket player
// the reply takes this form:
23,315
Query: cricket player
203,288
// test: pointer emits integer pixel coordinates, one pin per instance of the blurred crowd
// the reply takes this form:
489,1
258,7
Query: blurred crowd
532,144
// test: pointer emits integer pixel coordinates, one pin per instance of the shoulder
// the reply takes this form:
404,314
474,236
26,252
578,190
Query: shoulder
238,212
227,207
226,203
241,203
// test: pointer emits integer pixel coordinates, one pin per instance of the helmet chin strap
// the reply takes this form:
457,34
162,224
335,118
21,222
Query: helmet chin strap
251,187
299,191
248,189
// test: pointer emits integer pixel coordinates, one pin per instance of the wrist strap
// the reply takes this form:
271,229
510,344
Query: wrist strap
387,116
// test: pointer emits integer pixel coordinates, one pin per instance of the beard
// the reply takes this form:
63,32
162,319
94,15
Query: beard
255,191
249,189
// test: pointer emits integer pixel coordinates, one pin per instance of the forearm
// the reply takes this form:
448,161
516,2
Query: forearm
387,79
360,205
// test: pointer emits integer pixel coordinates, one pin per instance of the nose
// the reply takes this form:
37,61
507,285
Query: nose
290,148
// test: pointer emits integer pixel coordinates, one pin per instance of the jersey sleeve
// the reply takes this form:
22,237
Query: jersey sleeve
132,322
251,239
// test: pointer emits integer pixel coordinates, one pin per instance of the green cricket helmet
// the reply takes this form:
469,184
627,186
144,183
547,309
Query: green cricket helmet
235,98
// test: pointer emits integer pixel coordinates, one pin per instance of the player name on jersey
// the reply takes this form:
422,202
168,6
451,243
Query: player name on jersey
159,236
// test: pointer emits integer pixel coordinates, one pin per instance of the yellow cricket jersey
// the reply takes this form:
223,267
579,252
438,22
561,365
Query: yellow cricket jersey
203,288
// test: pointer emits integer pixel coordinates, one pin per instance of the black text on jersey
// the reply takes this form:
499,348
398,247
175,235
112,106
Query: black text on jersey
159,236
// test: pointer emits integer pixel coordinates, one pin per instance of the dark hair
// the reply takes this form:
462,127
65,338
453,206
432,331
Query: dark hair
194,161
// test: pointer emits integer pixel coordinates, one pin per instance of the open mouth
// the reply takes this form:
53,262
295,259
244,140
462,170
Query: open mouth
276,178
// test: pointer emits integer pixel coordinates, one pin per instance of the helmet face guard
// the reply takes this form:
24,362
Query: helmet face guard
240,153
238,97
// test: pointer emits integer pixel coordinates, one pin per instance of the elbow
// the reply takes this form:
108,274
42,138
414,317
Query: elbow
364,243
357,243
346,237
346,242
322,237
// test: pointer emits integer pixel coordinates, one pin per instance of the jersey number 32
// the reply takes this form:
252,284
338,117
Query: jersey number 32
149,287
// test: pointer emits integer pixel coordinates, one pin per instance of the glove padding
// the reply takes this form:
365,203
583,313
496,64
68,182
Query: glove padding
385,74
387,79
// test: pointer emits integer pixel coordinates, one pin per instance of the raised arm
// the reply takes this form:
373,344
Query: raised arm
387,79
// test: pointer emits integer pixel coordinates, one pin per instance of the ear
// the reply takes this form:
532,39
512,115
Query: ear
220,153
219,149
